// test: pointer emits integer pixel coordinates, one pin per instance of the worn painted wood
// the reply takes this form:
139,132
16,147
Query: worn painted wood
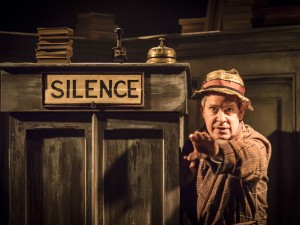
273,101
133,177
166,87
94,166
56,176
61,162
139,169
115,89
48,170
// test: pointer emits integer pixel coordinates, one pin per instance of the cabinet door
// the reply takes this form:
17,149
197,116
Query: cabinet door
49,182
274,116
138,168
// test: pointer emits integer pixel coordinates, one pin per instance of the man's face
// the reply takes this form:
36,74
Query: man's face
222,115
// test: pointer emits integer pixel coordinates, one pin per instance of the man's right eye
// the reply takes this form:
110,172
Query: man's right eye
214,110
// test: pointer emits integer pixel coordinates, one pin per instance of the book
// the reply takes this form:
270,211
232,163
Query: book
82,28
189,21
90,20
96,21
54,46
60,37
189,25
247,2
237,15
90,23
55,42
192,28
53,52
95,15
239,9
237,26
63,60
99,35
59,56
55,31
281,15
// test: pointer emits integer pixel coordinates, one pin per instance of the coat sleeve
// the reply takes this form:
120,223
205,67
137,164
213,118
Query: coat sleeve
246,157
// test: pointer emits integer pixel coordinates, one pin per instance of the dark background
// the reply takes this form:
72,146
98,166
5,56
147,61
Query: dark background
137,18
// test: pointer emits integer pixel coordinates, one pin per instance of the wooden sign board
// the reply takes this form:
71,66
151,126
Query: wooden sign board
93,89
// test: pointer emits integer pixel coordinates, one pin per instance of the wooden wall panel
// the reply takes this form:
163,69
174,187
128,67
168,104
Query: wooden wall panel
274,112
4,184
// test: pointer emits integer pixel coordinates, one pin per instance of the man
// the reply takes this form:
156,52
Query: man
228,158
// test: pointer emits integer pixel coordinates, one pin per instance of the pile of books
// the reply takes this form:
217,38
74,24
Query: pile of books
96,26
190,25
242,14
55,45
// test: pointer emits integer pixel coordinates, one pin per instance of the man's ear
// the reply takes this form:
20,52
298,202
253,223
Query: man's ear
201,111
242,112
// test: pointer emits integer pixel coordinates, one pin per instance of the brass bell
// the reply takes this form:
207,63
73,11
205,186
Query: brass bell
161,54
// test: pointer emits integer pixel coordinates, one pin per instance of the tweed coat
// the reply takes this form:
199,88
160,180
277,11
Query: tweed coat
234,190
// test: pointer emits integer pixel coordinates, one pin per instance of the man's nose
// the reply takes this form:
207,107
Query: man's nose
221,116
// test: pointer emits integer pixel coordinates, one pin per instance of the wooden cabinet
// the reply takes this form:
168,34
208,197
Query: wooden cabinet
93,165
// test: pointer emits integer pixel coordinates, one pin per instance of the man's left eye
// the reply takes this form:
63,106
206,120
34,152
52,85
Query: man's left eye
229,110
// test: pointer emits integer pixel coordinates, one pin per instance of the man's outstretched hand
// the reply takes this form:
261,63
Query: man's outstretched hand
204,146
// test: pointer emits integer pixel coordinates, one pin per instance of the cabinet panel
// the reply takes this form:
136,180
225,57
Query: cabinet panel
138,164
56,172
49,182
133,180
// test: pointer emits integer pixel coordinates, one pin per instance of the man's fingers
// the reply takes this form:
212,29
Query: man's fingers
193,156
200,137
192,137
192,164
206,136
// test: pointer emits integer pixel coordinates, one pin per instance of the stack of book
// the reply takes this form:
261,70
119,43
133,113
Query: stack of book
242,14
284,15
55,45
191,25
96,26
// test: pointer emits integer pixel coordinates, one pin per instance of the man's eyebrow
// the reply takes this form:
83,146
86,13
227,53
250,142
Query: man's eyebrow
227,104
214,105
